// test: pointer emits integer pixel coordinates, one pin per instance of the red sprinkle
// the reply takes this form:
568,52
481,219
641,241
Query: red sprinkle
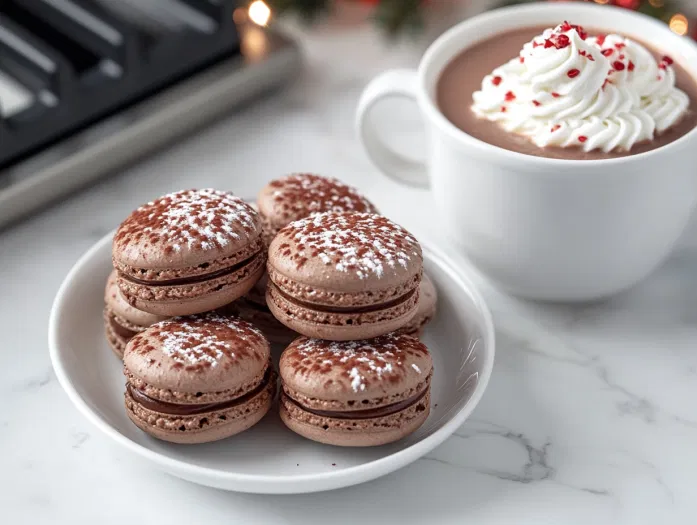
583,138
566,26
556,95
658,77
537,103
510,96
607,81
621,57
562,42
601,39
607,52
504,109
522,59
536,44
662,66
590,57
556,127
631,66
496,80
668,60
573,73
548,44
620,46
619,66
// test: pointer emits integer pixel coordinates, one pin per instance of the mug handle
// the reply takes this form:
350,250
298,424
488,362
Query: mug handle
401,83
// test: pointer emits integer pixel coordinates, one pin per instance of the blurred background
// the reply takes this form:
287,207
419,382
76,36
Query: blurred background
87,87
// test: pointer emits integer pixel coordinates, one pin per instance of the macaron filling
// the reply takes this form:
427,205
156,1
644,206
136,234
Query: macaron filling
370,413
198,278
177,409
344,309
119,329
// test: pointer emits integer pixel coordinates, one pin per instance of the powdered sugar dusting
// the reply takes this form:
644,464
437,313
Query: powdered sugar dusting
360,243
195,219
384,358
300,195
204,341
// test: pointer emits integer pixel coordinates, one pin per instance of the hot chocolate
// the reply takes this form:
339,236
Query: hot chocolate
568,94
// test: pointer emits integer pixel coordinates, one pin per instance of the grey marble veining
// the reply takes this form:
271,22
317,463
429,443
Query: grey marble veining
589,418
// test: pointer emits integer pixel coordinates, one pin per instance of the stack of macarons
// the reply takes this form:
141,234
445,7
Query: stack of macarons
202,282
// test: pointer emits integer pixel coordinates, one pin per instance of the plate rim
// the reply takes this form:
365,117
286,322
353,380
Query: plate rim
284,484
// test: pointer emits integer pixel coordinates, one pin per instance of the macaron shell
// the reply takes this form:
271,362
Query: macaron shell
299,195
186,229
355,432
336,326
189,299
350,252
202,428
355,375
426,309
198,355
115,300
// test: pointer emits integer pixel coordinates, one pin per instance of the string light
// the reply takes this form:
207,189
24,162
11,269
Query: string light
679,24
657,3
259,12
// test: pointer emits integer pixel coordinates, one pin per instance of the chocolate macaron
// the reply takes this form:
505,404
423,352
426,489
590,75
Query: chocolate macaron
425,311
253,308
189,252
356,393
121,320
344,276
300,195
198,379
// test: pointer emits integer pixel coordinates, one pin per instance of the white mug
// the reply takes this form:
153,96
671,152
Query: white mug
549,229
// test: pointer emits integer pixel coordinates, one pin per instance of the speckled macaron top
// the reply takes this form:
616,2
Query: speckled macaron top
197,231
344,252
118,305
300,195
195,358
355,375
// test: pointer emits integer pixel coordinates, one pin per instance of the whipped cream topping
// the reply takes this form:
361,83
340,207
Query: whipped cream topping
567,89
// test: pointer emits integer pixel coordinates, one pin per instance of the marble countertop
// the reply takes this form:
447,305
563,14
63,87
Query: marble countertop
589,418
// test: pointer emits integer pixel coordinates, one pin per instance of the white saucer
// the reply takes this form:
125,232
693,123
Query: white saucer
269,458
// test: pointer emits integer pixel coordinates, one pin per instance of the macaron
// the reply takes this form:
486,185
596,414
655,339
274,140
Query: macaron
121,320
198,379
300,195
356,393
189,252
344,276
253,309
426,309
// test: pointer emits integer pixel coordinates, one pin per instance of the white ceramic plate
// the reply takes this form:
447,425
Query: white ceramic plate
269,458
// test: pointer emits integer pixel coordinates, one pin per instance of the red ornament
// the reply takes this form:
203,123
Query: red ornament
628,4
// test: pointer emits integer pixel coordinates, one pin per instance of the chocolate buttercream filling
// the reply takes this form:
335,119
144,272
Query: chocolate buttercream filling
120,330
346,309
194,279
176,409
370,413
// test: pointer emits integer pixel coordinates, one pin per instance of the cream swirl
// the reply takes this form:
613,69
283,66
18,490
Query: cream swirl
566,89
